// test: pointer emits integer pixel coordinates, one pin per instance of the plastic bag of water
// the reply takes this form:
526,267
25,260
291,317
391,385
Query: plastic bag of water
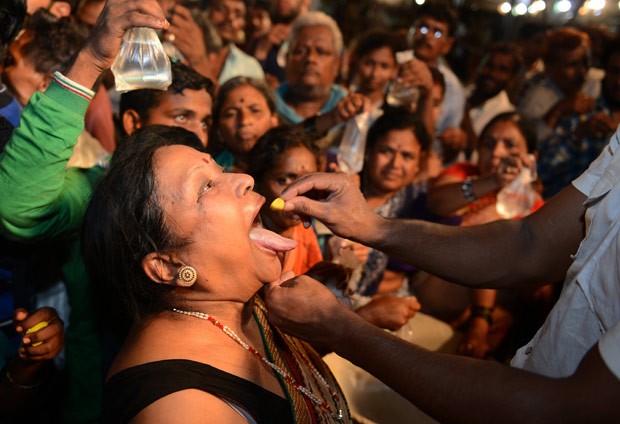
141,62
353,144
518,197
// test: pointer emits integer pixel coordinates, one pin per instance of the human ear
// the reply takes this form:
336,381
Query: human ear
45,82
160,268
131,121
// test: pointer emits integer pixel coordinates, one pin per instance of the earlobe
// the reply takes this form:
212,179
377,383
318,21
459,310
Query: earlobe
45,83
131,121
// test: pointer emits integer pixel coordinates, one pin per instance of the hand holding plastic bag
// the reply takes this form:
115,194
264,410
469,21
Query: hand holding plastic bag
141,62
518,197
353,144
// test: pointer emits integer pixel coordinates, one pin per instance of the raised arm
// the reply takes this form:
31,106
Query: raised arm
500,254
40,197
450,388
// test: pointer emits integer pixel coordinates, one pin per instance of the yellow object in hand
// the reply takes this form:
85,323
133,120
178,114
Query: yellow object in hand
277,204
37,327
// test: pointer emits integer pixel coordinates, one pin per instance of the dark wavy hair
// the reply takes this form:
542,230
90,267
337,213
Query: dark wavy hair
54,43
124,222
12,15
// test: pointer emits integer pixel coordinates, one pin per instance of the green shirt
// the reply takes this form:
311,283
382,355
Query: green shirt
42,200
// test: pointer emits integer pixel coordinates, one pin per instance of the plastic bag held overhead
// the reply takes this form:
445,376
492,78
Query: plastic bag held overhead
141,62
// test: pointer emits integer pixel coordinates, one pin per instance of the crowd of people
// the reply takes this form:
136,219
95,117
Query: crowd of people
147,278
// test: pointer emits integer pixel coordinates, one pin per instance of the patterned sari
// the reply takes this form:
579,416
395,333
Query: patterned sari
307,368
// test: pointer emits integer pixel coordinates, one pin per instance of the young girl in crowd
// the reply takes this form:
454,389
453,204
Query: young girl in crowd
281,156
373,63
243,111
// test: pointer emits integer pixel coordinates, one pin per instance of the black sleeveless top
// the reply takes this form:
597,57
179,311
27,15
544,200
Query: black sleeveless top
133,389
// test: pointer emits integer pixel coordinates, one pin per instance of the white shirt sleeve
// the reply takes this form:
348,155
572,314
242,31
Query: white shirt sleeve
609,348
586,181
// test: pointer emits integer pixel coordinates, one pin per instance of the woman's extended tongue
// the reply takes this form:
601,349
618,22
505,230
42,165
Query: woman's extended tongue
271,240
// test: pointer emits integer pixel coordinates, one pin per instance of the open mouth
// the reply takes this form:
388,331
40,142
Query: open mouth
267,239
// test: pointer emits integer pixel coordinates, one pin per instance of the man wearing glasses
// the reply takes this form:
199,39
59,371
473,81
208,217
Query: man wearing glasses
433,38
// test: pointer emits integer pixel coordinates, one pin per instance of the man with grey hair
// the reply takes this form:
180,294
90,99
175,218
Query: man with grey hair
310,93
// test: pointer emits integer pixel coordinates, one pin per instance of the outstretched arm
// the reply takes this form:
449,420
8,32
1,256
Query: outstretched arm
450,388
500,254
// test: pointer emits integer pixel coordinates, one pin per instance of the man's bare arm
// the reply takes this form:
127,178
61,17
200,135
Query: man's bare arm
515,253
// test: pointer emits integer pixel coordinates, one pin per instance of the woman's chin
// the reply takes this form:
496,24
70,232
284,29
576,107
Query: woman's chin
271,270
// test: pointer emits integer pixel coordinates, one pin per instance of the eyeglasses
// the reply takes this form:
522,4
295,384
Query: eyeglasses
425,30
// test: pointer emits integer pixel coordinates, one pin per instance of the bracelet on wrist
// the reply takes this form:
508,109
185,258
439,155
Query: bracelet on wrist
21,386
483,312
468,189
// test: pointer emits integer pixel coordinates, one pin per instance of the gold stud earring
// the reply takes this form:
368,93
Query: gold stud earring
187,276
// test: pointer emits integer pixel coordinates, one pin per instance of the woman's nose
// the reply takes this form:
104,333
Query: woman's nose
500,150
244,184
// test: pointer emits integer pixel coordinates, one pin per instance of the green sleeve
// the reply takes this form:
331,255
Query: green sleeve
40,198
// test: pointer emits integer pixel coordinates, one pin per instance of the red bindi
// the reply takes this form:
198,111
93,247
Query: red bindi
206,160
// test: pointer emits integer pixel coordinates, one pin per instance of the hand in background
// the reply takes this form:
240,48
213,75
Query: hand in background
45,343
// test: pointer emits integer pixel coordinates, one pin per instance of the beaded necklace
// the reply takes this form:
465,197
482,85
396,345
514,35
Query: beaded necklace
320,403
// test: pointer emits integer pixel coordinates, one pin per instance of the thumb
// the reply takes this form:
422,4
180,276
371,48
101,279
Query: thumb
413,303
285,276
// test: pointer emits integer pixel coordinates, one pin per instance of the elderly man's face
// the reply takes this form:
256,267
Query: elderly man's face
312,65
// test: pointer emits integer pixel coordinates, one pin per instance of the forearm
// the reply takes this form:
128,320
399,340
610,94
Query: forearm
458,389
445,199
82,70
502,254
32,167
20,384
459,254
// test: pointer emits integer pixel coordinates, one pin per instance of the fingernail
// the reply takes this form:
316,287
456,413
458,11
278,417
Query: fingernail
26,340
